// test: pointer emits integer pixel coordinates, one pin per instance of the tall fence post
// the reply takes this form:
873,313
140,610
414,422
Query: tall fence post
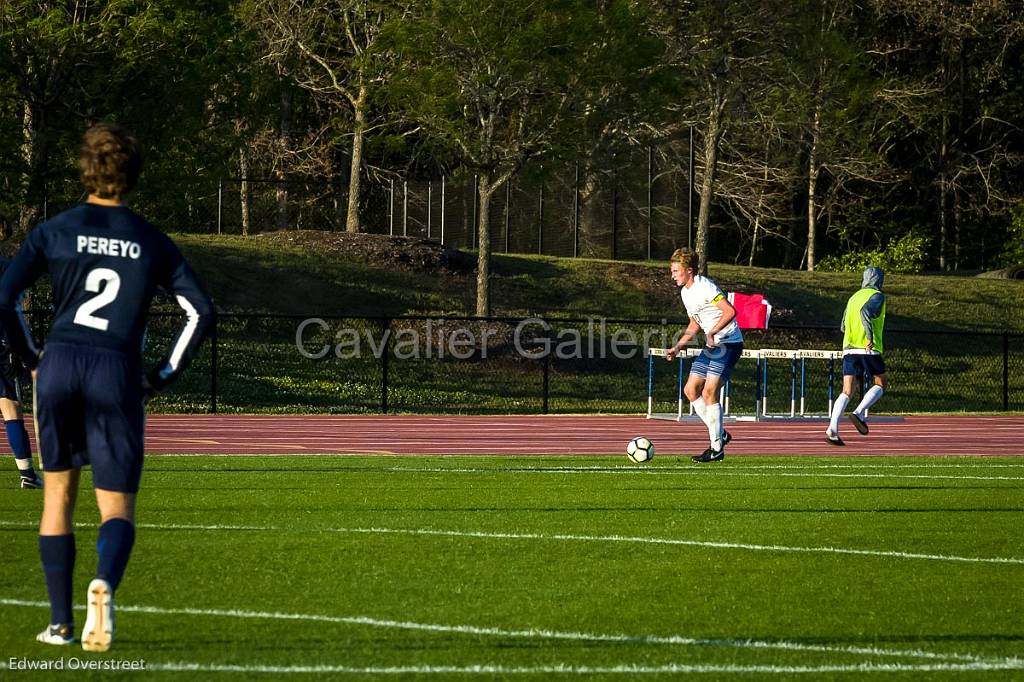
220,204
442,209
1006,371
213,365
576,213
540,221
476,211
650,199
405,208
689,201
547,375
391,207
615,219
384,356
508,209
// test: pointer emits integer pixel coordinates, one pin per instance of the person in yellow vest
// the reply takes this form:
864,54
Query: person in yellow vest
863,326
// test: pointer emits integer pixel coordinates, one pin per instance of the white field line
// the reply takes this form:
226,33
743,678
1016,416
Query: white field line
687,543
565,669
687,470
896,554
559,635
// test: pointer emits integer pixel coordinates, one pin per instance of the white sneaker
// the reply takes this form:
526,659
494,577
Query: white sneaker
98,633
60,634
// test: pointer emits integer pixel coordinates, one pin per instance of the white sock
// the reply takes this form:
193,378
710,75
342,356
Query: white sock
838,407
869,399
700,409
24,464
714,422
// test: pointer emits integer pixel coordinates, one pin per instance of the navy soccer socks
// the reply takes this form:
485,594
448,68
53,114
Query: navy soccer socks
114,546
58,556
17,436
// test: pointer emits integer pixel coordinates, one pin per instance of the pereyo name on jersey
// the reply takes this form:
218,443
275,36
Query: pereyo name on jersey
103,246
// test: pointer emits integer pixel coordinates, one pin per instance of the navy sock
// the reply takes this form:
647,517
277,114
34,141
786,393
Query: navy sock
17,436
114,546
58,555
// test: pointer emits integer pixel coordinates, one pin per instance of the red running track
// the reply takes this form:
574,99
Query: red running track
564,435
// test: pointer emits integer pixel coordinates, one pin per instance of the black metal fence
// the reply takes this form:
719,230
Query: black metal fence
641,208
267,364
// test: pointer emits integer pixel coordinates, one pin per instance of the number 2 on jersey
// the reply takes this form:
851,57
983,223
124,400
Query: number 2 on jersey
94,283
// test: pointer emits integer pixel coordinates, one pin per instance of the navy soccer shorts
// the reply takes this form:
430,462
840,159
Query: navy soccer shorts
718,361
10,375
859,364
89,412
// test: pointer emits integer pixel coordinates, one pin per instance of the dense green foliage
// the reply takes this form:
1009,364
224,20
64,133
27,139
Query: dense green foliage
837,127
903,255
398,565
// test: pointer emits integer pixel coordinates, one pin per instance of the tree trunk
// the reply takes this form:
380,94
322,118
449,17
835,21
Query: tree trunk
243,190
943,165
712,135
355,169
483,260
284,150
34,154
760,206
812,186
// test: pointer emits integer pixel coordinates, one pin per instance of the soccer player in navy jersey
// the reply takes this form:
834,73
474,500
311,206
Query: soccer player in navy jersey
105,264
11,371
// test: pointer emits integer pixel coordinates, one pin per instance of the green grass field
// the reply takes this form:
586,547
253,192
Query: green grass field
293,567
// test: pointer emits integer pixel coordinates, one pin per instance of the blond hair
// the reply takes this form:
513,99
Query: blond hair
109,161
685,257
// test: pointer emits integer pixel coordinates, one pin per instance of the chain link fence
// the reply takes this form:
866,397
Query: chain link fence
635,205
343,365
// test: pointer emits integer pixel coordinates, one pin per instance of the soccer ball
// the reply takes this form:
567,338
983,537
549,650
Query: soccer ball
640,450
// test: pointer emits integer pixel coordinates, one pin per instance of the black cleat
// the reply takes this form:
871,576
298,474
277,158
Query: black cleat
59,634
726,438
860,424
833,440
709,455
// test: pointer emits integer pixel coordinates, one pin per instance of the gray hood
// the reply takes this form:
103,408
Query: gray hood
873,278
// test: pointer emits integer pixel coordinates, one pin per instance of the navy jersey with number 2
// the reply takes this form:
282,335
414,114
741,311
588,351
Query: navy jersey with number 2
105,263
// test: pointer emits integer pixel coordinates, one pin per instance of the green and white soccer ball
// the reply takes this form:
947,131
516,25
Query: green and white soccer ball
640,450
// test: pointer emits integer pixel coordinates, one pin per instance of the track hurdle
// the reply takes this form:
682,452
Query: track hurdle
797,370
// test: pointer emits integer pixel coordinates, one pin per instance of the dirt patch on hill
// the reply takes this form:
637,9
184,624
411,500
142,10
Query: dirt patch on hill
406,253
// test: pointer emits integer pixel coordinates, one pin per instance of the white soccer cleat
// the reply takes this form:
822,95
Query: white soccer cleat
98,633
60,634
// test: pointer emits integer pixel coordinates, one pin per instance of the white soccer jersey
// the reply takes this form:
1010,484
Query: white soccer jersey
700,299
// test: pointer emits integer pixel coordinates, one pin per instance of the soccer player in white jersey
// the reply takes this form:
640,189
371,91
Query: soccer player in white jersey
709,311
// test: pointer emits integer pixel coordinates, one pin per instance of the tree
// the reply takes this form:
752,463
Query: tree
958,97
69,64
497,82
334,47
721,51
